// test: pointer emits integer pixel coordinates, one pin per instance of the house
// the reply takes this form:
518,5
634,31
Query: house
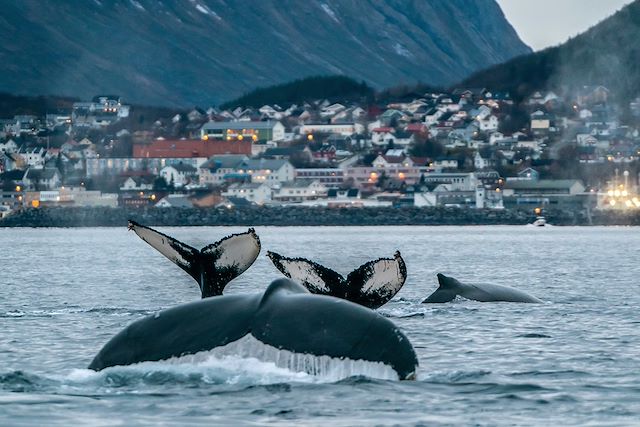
455,181
33,157
300,190
544,192
112,166
9,146
528,174
137,183
220,169
174,201
179,174
445,163
258,193
489,123
267,170
540,121
326,153
329,177
480,162
46,179
344,129
241,130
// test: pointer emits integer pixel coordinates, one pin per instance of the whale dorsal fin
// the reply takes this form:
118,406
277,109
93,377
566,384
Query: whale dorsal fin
215,265
446,291
317,278
374,283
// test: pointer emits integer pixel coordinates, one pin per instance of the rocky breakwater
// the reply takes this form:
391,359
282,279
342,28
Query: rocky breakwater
297,216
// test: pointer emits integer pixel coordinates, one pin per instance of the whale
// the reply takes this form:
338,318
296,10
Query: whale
450,288
212,267
286,316
372,284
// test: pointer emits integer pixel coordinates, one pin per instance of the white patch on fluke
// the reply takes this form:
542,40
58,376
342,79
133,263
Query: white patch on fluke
303,272
387,275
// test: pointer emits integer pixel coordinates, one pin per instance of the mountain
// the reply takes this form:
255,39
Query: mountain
186,52
606,54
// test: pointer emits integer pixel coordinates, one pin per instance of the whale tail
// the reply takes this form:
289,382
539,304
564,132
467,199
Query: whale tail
372,284
215,265
446,291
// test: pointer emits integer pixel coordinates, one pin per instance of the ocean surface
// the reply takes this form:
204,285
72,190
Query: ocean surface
574,360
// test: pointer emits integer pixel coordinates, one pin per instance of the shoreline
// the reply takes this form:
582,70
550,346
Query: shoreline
70,217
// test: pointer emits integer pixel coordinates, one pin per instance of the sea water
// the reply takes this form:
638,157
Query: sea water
573,360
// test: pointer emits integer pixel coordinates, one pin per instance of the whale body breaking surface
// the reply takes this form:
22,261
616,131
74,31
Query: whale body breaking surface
286,317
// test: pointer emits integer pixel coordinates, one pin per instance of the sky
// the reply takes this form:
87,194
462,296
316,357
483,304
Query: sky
544,23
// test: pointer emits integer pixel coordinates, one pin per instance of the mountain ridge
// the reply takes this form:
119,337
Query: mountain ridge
187,52
606,54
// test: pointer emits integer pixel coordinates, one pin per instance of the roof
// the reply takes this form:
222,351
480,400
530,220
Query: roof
299,183
247,186
39,174
12,175
176,201
183,167
543,184
273,164
239,125
223,162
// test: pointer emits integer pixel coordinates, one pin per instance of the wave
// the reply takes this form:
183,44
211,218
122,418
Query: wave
243,363
118,311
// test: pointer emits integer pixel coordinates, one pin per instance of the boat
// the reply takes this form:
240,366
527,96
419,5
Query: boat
540,221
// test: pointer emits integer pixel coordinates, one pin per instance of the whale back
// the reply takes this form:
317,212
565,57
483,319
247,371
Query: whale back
450,288
286,317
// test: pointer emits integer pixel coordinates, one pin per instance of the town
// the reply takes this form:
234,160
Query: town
470,148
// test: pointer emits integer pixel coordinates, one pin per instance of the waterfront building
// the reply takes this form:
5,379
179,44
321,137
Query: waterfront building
258,193
300,190
329,177
243,130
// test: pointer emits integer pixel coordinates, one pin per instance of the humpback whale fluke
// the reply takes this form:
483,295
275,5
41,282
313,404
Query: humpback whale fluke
285,317
450,288
214,265
372,284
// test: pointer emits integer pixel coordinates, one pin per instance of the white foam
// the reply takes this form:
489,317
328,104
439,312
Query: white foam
248,361
325,368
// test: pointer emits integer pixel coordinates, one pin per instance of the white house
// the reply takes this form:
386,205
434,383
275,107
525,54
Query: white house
267,170
488,123
259,193
301,190
455,181
137,183
178,174
47,179
480,162
34,157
